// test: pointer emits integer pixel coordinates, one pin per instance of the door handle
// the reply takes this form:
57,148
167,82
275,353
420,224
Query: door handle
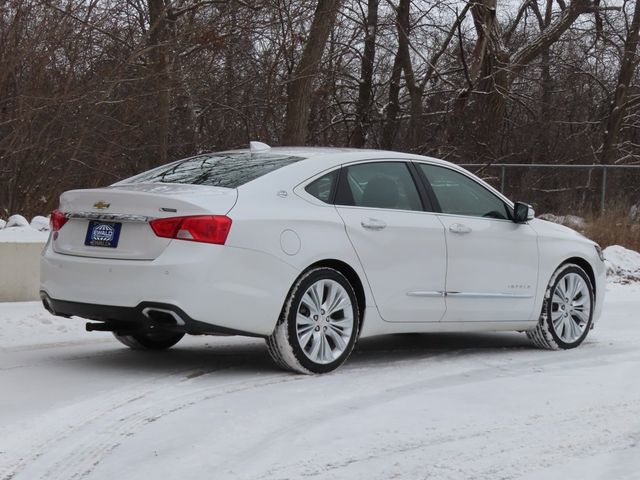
373,224
459,228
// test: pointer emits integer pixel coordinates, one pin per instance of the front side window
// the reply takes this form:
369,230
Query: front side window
228,170
460,195
379,185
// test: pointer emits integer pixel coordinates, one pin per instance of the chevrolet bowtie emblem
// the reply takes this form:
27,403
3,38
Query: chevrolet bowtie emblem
101,205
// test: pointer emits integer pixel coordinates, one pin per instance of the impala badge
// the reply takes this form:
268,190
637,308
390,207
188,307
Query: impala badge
101,205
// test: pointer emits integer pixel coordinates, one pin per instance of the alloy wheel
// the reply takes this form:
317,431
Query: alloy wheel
324,321
570,307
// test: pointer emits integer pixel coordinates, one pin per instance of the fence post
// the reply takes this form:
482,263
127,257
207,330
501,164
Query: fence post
502,175
603,194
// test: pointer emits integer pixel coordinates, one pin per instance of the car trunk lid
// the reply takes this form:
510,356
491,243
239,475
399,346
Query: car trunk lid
119,215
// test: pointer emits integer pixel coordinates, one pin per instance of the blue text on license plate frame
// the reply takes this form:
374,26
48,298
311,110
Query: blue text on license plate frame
103,234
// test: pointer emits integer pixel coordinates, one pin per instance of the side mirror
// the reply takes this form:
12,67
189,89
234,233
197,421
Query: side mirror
523,212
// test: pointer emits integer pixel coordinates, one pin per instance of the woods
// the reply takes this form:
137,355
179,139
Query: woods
92,91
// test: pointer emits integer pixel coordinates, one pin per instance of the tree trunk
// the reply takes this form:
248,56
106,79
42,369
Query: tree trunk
402,62
393,105
365,90
617,109
546,88
299,90
158,39
415,92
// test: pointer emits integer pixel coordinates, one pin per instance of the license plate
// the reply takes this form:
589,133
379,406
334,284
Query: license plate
103,234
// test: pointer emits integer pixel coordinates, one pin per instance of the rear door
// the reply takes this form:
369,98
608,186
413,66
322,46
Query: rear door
401,245
492,262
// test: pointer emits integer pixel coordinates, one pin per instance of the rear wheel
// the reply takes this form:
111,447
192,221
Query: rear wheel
150,341
318,327
567,311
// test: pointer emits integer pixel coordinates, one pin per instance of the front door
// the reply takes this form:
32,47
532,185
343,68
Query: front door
492,262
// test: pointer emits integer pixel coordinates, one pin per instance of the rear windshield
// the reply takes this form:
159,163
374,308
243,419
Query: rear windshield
228,170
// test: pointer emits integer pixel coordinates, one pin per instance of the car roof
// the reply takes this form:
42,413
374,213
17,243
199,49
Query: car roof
326,157
316,160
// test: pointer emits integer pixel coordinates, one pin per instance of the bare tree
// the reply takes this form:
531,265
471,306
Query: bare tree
301,83
621,98
365,87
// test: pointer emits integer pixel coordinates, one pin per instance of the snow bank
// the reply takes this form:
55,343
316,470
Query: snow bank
16,221
18,230
623,265
40,223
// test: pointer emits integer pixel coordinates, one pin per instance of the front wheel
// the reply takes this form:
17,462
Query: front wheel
567,311
150,341
318,327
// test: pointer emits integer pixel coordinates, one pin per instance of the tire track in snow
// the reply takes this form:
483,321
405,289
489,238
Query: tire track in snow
99,428
494,368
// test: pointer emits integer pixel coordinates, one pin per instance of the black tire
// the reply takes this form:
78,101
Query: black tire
283,344
150,341
544,335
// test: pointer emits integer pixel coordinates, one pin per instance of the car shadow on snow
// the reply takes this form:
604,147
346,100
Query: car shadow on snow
421,345
209,355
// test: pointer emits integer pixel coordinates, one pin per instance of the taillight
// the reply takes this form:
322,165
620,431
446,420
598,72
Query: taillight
202,228
57,220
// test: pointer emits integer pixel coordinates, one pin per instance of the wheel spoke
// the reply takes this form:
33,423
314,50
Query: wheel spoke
327,354
571,286
316,291
342,322
316,344
338,305
558,321
575,331
310,303
557,298
580,302
305,337
332,295
562,288
582,316
304,320
337,338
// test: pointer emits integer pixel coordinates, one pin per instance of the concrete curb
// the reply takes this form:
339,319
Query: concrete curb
20,271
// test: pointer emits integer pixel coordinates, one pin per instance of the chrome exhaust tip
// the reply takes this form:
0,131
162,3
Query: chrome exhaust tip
162,316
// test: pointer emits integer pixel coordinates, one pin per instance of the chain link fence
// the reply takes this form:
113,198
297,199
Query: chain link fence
566,189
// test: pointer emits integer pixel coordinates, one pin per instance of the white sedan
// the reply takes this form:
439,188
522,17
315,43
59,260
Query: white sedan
313,248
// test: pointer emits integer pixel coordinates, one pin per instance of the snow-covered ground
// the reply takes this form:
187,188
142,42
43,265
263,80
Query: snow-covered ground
484,406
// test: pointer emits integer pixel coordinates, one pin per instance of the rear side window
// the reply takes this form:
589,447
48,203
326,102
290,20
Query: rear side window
322,188
379,185
228,170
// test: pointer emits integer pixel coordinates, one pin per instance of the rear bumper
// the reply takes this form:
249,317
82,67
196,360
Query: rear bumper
217,289
144,317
